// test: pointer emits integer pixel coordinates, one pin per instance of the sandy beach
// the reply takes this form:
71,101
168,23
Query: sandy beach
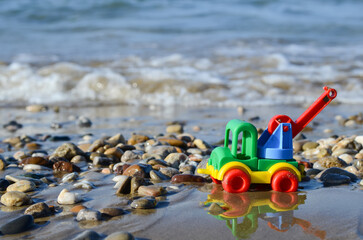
109,108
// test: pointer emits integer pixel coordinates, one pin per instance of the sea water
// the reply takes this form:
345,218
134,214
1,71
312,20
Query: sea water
187,53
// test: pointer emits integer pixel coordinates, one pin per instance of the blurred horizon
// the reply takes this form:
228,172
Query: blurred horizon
52,30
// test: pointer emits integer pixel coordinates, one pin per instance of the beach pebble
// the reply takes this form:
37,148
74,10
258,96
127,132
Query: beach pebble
348,159
96,145
135,171
120,236
14,198
350,123
119,178
68,151
78,159
116,139
182,178
136,182
173,142
143,203
66,197
18,225
33,146
103,161
187,169
359,155
115,151
162,151
352,169
174,159
312,172
106,171
334,179
359,139
2,164
199,143
63,166
137,139
331,161
77,208
341,151
22,186
12,126
321,175
157,176
70,177
151,190
36,108
318,165
112,211
175,128
169,171
35,167
195,151
83,121
88,215
309,145
123,186
4,184
131,155
38,210
36,160
358,164
88,235
84,185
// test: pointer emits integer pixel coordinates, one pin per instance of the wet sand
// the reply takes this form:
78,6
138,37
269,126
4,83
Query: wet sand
326,213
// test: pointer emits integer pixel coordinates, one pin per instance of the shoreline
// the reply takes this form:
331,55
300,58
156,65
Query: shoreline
177,205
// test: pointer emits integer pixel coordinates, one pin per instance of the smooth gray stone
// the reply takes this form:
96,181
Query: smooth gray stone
18,225
88,235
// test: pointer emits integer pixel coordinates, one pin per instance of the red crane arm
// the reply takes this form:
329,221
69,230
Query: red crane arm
310,113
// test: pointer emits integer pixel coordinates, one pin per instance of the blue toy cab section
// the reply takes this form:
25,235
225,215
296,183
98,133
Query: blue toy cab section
278,145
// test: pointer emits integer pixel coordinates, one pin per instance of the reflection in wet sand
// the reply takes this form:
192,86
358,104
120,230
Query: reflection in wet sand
241,212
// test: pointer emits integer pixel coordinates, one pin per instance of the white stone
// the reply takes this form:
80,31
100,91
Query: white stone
66,197
359,139
35,167
119,178
88,215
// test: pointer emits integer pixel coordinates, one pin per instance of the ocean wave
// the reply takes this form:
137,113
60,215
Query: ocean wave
228,77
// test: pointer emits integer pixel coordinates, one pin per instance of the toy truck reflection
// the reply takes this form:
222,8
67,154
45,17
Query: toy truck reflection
266,161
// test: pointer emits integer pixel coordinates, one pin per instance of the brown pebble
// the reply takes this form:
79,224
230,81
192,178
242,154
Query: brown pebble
84,147
173,142
120,169
137,139
33,146
182,178
63,166
36,160
135,171
77,208
112,212
115,151
152,190
2,165
106,171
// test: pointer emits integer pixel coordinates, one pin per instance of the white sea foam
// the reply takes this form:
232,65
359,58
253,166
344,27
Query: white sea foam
271,75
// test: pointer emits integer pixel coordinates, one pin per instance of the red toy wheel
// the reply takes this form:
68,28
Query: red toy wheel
236,181
215,180
284,181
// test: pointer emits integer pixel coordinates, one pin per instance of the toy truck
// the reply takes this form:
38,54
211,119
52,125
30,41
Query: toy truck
268,160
